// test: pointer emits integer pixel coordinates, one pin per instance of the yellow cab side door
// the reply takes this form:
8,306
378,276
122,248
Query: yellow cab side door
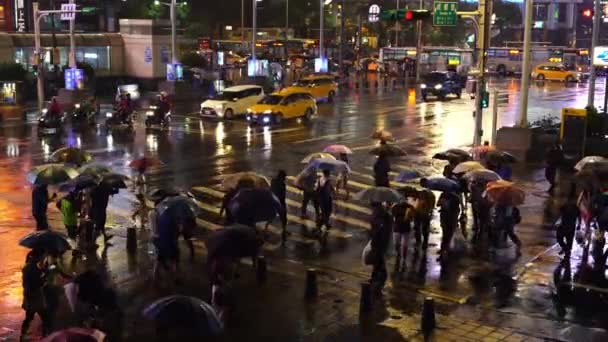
288,106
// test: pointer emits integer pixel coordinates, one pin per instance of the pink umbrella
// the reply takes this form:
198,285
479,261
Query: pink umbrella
338,149
76,335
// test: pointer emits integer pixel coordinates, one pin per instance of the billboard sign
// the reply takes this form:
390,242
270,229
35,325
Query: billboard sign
20,16
600,56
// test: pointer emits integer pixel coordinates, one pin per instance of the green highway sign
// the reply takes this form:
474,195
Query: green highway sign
444,13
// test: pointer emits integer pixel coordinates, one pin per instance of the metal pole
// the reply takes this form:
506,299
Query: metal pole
341,48
594,38
173,34
485,11
39,80
606,95
494,115
72,57
418,44
286,17
574,27
525,71
254,18
397,28
321,19
243,22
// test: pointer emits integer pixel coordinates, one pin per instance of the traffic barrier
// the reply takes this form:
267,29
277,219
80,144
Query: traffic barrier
131,240
261,269
311,283
427,322
365,303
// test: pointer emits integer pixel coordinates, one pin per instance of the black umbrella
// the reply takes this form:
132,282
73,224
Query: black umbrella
51,174
500,157
249,206
159,194
184,312
114,180
237,241
47,240
82,181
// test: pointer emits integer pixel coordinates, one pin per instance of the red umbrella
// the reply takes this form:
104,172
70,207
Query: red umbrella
76,335
144,162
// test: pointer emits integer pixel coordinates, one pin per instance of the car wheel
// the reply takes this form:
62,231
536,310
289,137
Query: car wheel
330,97
540,77
278,118
308,114
229,114
569,79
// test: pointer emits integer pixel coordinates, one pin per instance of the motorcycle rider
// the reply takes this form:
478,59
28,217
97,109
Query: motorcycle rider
162,107
124,108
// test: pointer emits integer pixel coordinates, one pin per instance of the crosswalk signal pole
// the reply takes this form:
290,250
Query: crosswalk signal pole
485,15
38,53
597,12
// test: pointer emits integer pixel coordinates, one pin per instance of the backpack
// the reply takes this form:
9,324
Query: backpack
516,215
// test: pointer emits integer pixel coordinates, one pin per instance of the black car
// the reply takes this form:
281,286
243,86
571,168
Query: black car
441,84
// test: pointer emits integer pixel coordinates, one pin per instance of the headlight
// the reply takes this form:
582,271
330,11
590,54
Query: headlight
220,113
153,107
108,115
266,119
267,111
149,113
423,86
439,86
248,110
248,117
77,105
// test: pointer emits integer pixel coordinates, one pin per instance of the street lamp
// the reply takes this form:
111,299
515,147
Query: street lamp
172,6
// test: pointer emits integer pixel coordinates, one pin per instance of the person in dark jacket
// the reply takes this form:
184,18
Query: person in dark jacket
100,196
554,159
403,216
308,182
382,167
40,201
33,295
569,213
380,233
279,189
326,194
449,204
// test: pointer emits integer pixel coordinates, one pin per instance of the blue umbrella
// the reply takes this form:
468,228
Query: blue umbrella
179,205
440,184
407,175
249,206
330,164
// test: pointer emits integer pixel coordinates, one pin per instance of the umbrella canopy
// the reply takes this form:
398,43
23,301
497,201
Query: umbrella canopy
114,180
408,191
407,175
245,179
185,312
160,194
236,241
459,152
71,155
76,335
383,135
94,170
179,205
440,184
500,157
144,162
481,176
505,193
451,157
480,151
51,174
379,194
46,240
468,166
82,181
587,161
317,155
330,164
254,205
388,150
337,149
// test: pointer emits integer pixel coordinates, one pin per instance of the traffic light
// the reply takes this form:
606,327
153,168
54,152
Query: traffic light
587,13
485,99
414,15
389,15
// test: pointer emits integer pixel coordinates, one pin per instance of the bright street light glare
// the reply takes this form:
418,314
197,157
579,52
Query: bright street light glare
327,2
156,2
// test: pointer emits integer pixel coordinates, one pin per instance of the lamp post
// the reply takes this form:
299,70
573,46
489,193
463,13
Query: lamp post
172,14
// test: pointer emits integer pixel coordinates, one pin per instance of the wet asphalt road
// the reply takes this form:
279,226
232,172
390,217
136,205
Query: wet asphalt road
197,153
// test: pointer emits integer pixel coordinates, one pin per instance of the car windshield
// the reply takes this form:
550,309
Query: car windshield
304,83
226,96
271,99
435,77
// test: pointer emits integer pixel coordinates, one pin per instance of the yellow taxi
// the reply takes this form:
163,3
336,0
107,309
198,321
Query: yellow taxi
556,72
321,87
288,103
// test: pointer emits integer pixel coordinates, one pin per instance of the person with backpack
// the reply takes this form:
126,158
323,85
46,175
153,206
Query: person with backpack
325,194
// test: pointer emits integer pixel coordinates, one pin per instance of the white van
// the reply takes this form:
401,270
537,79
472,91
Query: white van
232,102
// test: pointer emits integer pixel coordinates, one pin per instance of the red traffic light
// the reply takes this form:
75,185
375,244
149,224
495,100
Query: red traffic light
587,13
409,15
412,15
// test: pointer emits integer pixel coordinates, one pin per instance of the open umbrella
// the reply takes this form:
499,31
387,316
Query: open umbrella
160,194
459,152
408,191
451,157
114,180
51,174
179,205
236,241
505,193
467,166
71,155
379,194
587,161
245,179
47,240
94,169
407,175
500,157
330,164
185,312
82,181
482,175
440,184
337,149
479,152
317,155
381,134
388,150
254,205
144,163
76,335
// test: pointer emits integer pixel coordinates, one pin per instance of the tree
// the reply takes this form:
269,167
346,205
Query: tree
155,11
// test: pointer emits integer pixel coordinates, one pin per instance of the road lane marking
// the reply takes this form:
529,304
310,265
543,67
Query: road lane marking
392,182
325,137
271,131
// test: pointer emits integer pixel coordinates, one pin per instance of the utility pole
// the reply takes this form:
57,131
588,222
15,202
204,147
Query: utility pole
254,19
37,53
485,20
321,19
341,48
525,71
173,33
418,44
72,55
243,22
597,16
